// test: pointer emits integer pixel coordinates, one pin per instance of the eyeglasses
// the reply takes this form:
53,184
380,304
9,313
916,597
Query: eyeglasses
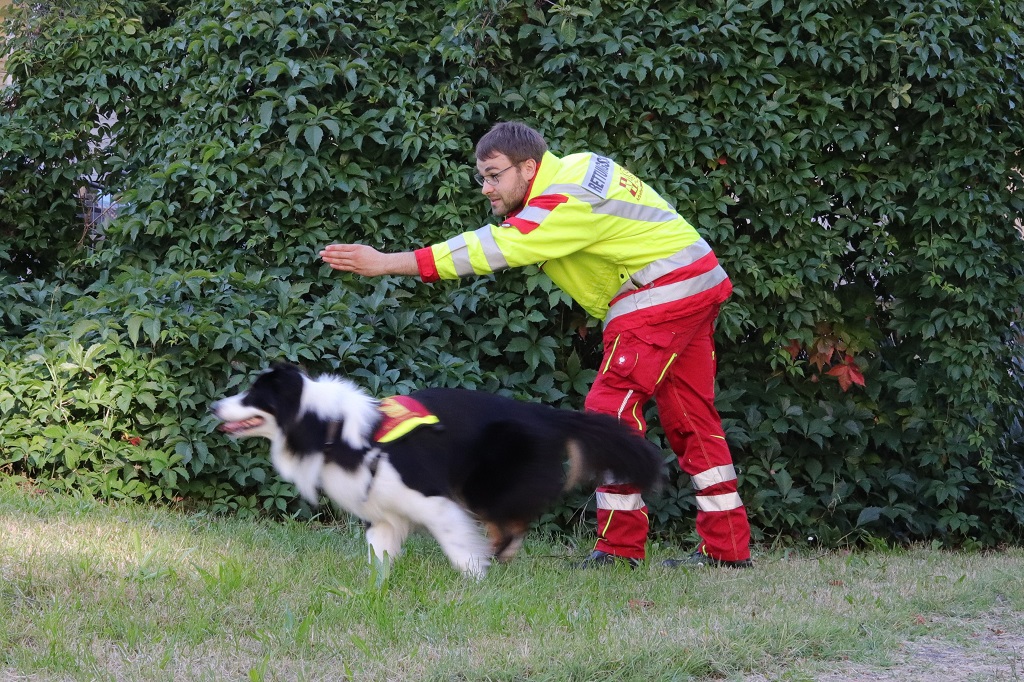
491,178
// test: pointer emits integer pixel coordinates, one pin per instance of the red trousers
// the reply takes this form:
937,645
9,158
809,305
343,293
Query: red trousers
672,362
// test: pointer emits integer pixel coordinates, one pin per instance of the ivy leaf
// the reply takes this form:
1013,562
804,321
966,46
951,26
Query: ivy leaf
568,31
848,373
519,345
314,136
266,113
869,515
134,325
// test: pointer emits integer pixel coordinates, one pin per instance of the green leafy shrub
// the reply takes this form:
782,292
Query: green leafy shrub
855,164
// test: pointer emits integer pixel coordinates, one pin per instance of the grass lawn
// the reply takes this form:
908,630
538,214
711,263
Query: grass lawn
91,591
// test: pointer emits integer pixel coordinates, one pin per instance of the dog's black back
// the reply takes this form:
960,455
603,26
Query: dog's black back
506,459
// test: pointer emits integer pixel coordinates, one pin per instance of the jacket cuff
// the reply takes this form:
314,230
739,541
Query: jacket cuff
427,266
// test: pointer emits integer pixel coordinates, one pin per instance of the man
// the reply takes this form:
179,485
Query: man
626,256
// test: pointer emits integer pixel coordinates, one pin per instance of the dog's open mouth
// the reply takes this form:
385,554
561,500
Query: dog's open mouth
244,425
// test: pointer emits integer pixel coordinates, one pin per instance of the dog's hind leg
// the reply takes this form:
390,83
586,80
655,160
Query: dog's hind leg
385,539
460,538
507,539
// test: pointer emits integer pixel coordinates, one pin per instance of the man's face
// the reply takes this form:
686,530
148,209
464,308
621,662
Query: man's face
508,195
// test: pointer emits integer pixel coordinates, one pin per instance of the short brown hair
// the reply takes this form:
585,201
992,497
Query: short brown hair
515,140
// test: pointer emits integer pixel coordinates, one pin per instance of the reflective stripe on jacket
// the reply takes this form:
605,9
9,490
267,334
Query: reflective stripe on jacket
599,232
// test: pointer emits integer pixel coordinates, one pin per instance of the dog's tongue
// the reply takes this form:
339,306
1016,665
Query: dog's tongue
235,427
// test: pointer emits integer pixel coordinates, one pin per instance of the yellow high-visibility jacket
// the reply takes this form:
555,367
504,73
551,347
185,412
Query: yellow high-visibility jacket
601,234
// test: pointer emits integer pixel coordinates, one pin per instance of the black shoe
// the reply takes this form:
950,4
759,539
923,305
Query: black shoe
701,560
599,559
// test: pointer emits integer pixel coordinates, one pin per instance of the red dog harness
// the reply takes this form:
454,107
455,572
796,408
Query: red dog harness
401,414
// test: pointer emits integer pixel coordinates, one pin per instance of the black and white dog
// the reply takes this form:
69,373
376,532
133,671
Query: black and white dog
477,457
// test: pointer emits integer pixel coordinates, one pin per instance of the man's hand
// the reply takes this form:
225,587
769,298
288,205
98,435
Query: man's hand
368,261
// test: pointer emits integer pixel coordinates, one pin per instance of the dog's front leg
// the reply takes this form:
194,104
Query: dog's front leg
460,538
385,539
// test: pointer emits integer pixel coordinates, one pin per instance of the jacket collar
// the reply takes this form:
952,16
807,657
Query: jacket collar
548,169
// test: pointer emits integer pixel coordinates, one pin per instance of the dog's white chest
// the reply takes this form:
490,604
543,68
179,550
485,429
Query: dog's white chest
348,489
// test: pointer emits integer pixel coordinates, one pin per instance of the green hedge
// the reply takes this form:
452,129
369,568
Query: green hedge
855,165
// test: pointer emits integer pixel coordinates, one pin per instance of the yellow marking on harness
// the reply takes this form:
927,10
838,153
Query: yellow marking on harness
401,415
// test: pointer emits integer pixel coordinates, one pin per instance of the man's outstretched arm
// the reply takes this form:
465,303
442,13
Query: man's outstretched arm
368,261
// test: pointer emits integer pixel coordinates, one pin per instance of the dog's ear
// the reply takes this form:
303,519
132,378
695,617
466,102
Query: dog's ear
283,371
280,375
277,390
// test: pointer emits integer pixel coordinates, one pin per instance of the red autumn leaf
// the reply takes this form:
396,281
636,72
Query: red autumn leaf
794,348
847,373
855,373
825,348
822,356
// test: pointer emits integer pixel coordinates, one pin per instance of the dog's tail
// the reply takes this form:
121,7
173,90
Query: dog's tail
602,449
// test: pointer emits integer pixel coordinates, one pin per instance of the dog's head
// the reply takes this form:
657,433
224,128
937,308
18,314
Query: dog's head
284,401
266,408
